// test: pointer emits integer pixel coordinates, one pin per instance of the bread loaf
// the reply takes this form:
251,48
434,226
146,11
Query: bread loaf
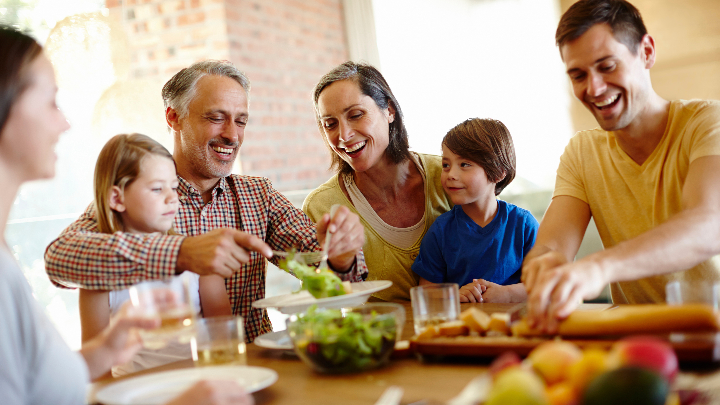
475,319
454,328
499,324
632,319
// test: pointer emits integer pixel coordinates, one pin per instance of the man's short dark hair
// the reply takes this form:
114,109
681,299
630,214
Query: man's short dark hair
622,17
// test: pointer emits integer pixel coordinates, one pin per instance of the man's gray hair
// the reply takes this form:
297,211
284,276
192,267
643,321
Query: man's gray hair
179,91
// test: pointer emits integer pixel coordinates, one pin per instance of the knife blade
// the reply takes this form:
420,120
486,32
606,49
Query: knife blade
475,392
517,312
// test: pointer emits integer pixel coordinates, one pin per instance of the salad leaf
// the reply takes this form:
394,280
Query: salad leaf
321,283
344,341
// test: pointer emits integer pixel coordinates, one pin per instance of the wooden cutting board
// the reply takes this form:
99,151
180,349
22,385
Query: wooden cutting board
696,348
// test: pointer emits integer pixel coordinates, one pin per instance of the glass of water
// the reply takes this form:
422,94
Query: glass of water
433,304
170,301
219,340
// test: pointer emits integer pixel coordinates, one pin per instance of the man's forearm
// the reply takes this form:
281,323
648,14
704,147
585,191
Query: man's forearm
687,239
536,251
94,260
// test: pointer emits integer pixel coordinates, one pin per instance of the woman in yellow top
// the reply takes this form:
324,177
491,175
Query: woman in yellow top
396,193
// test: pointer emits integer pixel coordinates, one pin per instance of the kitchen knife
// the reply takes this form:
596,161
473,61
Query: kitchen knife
517,312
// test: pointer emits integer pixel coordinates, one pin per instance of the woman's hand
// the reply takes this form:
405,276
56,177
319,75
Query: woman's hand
472,292
214,393
117,343
348,237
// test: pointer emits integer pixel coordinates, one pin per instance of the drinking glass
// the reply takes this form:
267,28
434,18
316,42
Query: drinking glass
433,304
170,301
219,340
694,292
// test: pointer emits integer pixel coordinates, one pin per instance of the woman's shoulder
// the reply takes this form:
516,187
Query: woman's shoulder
13,282
323,197
430,162
328,189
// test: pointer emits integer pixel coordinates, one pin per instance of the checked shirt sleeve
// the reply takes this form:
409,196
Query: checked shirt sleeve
85,258
290,227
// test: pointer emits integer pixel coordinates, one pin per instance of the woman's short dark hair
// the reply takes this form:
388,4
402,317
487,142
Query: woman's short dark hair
622,17
372,84
488,143
17,52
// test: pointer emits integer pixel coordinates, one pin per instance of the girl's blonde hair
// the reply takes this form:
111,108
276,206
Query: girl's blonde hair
119,165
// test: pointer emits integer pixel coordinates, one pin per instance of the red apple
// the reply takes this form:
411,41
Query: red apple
647,352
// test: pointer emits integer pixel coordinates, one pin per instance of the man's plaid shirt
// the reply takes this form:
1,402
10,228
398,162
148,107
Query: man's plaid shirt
82,257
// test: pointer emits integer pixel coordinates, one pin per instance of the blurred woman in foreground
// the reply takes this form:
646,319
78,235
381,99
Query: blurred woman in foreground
37,366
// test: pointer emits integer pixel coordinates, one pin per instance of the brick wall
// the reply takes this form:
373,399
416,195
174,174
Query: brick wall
284,46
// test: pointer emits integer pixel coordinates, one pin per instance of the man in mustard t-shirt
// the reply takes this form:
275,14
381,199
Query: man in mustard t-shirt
648,175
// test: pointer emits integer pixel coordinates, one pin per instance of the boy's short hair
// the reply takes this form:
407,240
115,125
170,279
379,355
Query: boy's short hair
488,143
622,17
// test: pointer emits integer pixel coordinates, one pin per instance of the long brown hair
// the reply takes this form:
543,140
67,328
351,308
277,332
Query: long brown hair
119,165
17,52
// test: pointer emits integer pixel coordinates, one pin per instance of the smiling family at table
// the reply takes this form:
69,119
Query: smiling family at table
647,177
230,223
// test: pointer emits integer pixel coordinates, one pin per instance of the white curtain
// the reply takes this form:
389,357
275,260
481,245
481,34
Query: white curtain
360,31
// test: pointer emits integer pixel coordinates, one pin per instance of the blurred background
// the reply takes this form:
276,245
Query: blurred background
446,61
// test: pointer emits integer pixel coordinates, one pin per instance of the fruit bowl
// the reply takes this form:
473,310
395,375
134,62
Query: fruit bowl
346,339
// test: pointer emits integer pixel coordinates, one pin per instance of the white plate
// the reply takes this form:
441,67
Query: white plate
299,302
275,340
161,387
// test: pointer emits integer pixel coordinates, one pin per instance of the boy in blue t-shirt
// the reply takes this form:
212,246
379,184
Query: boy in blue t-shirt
479,244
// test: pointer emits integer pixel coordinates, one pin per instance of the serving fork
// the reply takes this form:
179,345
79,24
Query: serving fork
313,257
326,246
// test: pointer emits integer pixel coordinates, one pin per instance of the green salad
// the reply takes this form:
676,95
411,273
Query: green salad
321,283
334,341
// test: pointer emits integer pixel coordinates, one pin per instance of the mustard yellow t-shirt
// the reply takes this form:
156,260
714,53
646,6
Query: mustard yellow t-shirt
627,199
384,260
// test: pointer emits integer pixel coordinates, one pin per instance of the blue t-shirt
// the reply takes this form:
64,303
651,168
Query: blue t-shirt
457,250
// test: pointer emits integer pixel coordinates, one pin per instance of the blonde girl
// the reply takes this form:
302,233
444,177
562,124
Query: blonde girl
136,192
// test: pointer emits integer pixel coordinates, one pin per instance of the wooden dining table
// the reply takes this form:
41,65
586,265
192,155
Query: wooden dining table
424,380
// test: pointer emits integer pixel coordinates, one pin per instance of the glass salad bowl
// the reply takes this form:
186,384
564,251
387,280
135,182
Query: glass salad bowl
346,339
